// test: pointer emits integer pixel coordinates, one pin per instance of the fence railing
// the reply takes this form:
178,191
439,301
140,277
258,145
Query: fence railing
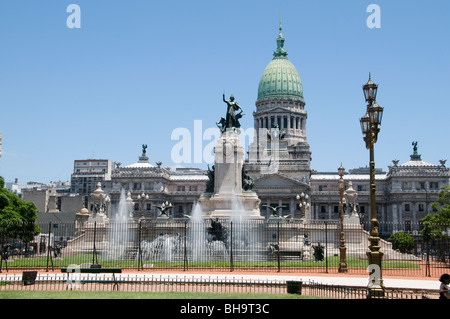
278,246
203,284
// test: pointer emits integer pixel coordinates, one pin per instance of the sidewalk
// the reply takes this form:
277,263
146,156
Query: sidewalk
351,281
330,279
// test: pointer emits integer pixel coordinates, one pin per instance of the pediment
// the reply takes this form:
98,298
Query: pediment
276,109
278,180
279,109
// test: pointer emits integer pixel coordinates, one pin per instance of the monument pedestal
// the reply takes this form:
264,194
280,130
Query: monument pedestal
228,199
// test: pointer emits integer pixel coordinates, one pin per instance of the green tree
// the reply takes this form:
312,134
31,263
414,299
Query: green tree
436,226
17,217
402,241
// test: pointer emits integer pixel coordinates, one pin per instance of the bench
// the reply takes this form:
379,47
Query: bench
94,271
284,250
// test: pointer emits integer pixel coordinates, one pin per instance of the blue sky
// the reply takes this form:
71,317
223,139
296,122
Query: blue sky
137,70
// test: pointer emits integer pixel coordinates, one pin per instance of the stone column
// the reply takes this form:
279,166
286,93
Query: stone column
292,207
280,203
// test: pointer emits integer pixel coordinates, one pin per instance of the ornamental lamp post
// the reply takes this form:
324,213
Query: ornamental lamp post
107,202
342,249
370,91
369,127
98,197
129,205
303,203
142,199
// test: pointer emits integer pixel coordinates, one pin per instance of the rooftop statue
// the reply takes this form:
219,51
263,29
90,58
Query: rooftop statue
144,149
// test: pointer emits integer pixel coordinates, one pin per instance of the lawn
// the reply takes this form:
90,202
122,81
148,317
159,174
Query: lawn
333,261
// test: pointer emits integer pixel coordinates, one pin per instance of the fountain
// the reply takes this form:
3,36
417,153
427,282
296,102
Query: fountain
162,248
229,194
228,201
197,235
119,234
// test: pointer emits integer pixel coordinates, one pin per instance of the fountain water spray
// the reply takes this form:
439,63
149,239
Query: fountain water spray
119,233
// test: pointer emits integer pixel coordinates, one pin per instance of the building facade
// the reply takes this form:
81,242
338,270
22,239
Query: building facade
180,187
279,162
87,173
280,158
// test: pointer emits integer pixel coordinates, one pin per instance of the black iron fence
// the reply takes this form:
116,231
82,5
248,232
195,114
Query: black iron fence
279,245
199,284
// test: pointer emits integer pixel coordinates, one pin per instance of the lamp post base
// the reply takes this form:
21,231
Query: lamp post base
375,292
375,287
343,262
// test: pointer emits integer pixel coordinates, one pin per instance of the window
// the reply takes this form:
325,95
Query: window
193,188
180,208
407,225
434,185
421,208
407,208
336,209
180,188
136,206
149,206
406,185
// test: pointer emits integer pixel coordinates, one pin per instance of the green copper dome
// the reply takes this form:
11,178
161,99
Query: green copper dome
280,79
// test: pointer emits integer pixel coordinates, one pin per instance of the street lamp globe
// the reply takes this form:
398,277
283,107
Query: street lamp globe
375,114
370,90
365,124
